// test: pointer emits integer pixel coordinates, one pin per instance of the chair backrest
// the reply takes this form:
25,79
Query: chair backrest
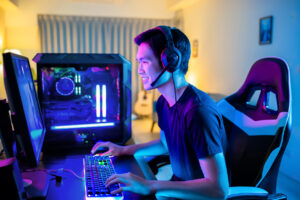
257,120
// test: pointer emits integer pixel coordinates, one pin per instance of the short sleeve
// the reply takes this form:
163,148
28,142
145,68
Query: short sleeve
204,131
159,110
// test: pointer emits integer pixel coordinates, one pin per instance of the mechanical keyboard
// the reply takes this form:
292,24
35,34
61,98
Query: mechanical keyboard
96,170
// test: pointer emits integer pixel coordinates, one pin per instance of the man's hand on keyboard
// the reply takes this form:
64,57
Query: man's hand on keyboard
113,149
132,182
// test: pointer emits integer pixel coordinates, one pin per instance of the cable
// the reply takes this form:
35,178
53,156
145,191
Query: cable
60,170
57,177
67,170
175,94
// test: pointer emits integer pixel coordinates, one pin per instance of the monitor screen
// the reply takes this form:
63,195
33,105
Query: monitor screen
25,109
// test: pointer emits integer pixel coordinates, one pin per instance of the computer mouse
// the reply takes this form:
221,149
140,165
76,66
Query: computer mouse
101,150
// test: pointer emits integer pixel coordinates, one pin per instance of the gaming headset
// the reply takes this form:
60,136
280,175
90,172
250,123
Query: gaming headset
170,56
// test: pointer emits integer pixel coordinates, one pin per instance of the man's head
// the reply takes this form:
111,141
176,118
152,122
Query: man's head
156,39
151,45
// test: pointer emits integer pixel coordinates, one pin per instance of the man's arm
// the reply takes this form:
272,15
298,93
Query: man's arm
214,185
154,148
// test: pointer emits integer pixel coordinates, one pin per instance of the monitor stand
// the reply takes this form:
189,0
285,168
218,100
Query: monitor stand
36,184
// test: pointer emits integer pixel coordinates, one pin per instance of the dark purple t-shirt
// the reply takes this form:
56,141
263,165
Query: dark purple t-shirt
193,128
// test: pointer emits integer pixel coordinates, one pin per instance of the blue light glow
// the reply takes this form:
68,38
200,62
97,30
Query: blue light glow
104,100
82,126
97,101
65,86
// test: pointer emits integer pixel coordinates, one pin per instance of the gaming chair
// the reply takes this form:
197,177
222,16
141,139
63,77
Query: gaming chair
257,120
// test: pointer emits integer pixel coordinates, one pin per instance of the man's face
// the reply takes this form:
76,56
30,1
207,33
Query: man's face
149,67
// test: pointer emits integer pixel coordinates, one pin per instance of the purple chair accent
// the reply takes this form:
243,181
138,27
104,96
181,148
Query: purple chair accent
265,74
257,120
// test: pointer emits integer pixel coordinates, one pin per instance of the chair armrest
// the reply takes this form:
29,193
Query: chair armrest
247,193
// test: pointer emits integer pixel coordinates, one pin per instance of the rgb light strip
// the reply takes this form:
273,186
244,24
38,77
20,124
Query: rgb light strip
82,126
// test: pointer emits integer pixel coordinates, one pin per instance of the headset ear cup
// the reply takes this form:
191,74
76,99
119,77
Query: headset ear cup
164,59
171,59
178,60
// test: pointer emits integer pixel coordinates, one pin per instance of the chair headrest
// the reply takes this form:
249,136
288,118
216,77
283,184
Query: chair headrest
265,75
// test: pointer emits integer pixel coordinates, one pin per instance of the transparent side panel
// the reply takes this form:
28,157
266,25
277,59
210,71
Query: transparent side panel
80,95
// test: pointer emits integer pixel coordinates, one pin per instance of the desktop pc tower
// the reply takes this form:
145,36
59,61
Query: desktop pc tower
84,98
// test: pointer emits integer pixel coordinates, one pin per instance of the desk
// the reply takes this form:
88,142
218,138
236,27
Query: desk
73,188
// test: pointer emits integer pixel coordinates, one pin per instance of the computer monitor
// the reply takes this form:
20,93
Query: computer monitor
24,107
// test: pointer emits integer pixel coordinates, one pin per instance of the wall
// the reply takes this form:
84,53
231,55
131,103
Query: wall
227,33
21,26
2,41
2,45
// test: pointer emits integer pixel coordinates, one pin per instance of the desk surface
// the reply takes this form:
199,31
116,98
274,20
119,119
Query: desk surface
73,188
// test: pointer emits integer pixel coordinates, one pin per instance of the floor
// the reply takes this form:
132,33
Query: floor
141,133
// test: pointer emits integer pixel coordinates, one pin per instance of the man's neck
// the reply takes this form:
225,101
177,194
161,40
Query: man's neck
167,90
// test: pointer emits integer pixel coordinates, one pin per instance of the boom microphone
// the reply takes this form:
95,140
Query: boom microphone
156,80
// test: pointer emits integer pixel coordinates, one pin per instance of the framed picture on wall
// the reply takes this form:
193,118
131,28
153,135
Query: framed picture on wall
195,48
265,30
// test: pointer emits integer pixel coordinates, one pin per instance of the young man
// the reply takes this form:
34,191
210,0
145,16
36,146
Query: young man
192,130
